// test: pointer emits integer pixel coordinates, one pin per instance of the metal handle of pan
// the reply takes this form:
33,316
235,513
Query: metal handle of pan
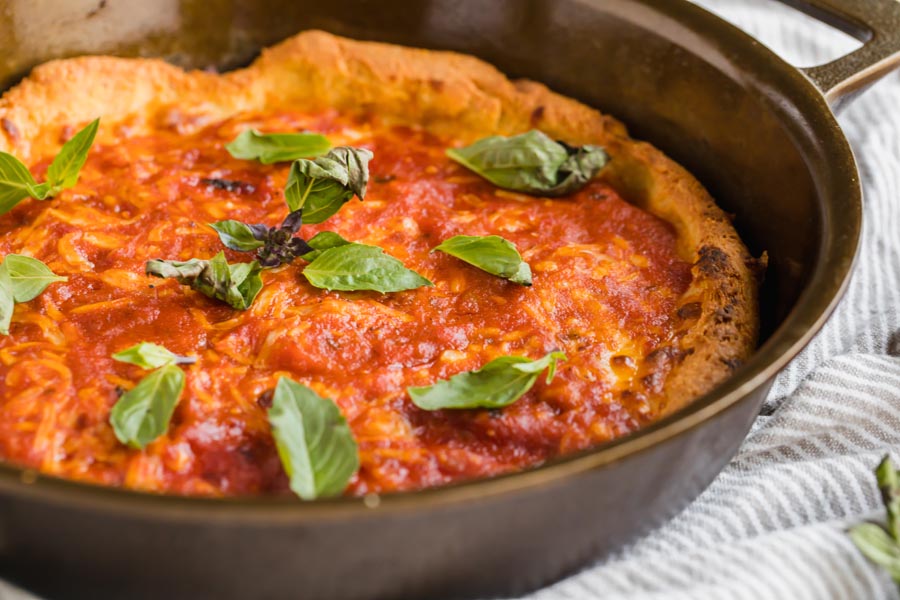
876,23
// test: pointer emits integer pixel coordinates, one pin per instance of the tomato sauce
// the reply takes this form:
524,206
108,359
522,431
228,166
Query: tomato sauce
607,284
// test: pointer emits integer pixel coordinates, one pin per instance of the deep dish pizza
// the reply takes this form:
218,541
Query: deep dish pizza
349,268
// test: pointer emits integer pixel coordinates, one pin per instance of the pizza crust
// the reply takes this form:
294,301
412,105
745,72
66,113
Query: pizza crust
446,92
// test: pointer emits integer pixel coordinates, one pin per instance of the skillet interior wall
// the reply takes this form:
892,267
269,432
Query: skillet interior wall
690,102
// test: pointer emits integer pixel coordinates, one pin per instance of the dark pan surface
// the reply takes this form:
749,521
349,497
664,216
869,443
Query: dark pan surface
752,128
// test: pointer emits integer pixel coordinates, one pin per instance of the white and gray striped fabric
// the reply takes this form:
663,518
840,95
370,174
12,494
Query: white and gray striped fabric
773,524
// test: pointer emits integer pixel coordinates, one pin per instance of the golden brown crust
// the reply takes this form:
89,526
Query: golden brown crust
446,92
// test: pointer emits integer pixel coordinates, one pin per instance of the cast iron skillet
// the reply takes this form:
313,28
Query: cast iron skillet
758,132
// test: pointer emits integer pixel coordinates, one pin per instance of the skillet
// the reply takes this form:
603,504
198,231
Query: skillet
757,132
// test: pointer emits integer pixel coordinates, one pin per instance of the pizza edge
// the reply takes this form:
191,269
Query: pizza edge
446,92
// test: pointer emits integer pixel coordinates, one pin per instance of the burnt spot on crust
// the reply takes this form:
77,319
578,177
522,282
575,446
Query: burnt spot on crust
713,261
725,314
10,128
537,114
732,363
691,310
660,356
436,84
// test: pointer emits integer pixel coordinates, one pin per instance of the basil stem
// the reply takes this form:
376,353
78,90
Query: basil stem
151,356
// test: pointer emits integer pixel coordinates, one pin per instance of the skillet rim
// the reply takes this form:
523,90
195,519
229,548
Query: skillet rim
798,103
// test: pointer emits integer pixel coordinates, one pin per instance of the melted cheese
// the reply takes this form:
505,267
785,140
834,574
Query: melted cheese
607,283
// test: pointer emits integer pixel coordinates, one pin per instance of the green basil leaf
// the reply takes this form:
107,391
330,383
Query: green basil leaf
532,163
889,483
7,301
321,186
878,546
28,276
143,413
352,267
16,183
314,442
269,148
64,170
239,236
151,356
237,285
321,242
490,253
495,385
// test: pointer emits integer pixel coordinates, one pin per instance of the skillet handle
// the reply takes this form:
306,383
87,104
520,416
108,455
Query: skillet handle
876,23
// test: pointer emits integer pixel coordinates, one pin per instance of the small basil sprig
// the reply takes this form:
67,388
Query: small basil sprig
235,284
22,279
270,148
17,183
882,544
499,383
151,356
274,245
314,442
348,266
321,186
490,253
532,163
335,263
142,414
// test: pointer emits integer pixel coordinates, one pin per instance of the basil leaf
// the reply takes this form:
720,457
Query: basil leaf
64,170
353,266
889,483
314,442
878,546
240,236
321,242
151,356
532,163
28,276
269,148
321,186
143,413
16,183
7,301
490,253
237,285
497,384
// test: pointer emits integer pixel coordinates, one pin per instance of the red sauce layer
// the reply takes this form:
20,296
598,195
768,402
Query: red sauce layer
607,284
